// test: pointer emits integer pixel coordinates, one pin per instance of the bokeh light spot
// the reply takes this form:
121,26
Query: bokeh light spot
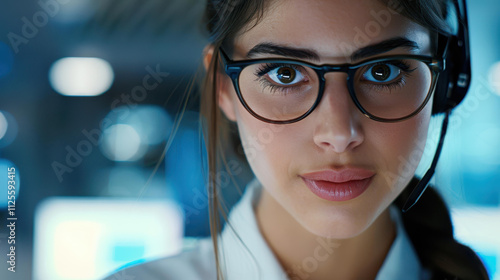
494,77
81,76
121,142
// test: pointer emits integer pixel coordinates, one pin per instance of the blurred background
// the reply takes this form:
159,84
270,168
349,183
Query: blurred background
91,90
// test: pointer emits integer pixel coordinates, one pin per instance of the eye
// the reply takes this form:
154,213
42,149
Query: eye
382,73
285,75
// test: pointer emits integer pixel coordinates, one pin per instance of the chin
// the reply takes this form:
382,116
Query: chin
340,223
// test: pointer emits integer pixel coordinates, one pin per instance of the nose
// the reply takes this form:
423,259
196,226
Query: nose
337,127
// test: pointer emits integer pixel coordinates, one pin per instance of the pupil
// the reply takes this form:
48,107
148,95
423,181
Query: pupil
286,74
381,72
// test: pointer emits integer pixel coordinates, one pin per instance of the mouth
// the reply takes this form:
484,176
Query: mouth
338,185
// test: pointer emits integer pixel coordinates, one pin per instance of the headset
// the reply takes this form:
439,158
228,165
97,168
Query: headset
452,86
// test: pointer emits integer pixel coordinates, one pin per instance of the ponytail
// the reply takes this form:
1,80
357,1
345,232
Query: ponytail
430,230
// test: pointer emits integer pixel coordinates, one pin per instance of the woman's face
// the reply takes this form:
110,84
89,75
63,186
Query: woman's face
336,136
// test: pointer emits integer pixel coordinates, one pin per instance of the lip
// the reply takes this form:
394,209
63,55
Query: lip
338,185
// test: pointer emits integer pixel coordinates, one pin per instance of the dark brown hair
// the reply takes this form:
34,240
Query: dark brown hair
428,224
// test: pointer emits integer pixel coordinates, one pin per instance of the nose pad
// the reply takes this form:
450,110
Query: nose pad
338,127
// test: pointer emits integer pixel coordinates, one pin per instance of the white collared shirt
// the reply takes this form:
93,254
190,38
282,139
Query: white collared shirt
250,258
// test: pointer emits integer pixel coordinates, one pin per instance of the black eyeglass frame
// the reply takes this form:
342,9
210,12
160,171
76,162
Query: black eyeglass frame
234,68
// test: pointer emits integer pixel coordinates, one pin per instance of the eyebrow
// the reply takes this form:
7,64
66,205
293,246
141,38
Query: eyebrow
271,48
385,46
300,53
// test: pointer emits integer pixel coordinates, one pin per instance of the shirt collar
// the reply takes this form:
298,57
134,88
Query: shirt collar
401,261
246,255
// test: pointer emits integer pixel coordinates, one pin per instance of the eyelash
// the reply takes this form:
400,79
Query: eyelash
406,72
266,68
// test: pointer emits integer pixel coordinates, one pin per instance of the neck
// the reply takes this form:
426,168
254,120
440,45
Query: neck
304,255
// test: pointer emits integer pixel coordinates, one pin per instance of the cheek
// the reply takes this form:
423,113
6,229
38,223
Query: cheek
270,149
398,148
266,145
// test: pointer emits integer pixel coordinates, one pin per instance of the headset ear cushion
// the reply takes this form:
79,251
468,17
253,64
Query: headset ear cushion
454,81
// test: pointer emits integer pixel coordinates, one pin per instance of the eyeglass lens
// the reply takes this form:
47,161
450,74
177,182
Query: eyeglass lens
388,89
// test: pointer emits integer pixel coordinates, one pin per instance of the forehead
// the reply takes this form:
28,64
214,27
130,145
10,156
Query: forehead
332,28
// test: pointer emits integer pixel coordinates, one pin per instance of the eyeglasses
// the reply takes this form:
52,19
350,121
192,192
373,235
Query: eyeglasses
385,89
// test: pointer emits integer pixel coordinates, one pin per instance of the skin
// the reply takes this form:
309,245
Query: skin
335,135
